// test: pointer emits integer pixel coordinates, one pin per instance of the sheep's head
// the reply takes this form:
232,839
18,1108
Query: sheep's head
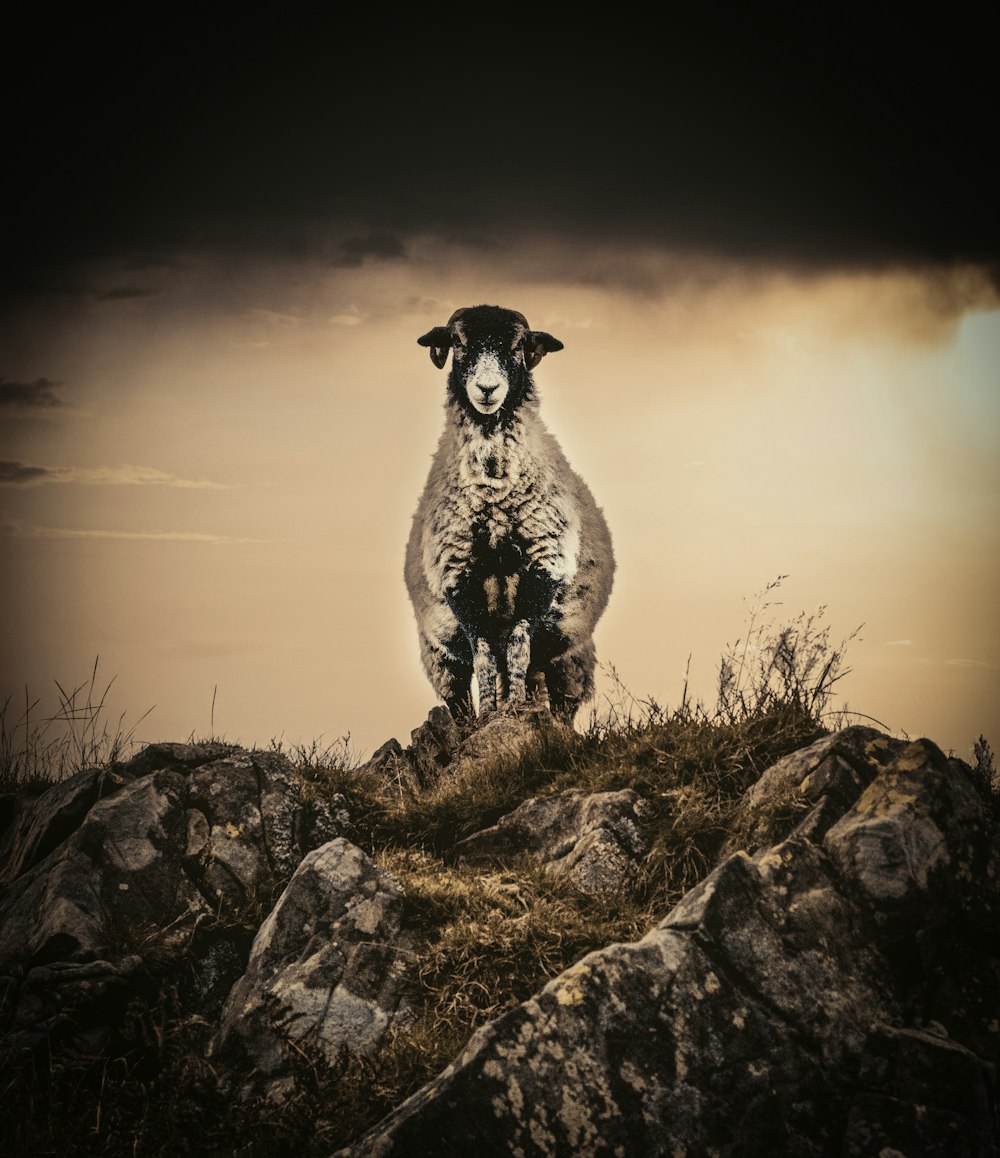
493,353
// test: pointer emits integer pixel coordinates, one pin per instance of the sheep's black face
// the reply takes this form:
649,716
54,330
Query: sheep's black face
493,353
489,377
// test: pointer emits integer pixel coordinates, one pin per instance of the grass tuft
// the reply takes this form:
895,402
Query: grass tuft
37,750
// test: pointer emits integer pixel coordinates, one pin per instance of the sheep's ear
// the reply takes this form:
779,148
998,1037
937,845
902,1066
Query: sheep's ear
439,340
537,346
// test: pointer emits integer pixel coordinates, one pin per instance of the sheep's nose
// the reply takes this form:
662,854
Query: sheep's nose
486,391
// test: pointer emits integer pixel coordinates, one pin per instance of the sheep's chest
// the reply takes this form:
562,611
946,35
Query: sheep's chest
506,506
497,486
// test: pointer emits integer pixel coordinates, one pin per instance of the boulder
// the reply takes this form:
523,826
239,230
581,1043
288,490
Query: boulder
595,839
327,969
509,733
811,787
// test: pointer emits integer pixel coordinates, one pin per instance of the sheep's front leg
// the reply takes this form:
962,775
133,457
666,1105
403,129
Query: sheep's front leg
518,659
467,602
532,595
485,666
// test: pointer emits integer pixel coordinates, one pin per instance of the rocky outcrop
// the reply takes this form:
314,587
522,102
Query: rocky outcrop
595,839
180,851
836,993
327,970
831,988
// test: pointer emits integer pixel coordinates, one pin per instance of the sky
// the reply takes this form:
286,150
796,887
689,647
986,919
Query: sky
772,255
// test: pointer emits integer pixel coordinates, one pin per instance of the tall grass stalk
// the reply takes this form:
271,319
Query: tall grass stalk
38,749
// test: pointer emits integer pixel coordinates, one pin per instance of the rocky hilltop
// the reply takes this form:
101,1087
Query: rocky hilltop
227,923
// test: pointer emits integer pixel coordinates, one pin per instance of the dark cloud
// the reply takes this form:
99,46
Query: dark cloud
24,395
18,474
822,141
377,246
122,293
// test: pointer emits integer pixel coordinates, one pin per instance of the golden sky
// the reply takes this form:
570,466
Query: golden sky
211,464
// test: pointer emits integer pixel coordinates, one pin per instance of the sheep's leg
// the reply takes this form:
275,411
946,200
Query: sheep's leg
531,595
485,666
537,691
465,599
448,663
570,680
518,658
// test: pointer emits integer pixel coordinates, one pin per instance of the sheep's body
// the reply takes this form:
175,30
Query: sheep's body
509,563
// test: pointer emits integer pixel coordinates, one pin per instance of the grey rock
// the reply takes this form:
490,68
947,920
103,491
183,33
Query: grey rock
168,856
809,790
785,1006
919,846
67,993
510,733
385,753
440,747
395,764
594,838
322,819
42,824
116,880
327,969
433,745
174,757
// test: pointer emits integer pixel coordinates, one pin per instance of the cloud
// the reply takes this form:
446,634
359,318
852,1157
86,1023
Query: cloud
766,155
899,643
274,318
17,474
16,529
376,246
13,473
41,393
352,317
969,663
121,293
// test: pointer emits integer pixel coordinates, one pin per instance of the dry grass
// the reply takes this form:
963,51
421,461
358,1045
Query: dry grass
37,750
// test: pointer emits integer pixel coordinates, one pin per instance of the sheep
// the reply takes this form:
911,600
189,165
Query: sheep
509,562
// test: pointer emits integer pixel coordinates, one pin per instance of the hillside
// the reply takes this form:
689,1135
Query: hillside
740,932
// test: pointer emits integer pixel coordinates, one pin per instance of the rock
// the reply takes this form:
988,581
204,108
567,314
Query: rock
38,826
594,838
433,745
921,1093
395,764
327,967
385,754
917,845
175,757
785,1006
811,788
439,747
168,857
59,1001
120,878
509,733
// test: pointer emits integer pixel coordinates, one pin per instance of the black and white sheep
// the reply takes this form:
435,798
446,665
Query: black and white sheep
509,563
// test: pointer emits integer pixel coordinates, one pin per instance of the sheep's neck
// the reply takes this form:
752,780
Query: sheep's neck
493,464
